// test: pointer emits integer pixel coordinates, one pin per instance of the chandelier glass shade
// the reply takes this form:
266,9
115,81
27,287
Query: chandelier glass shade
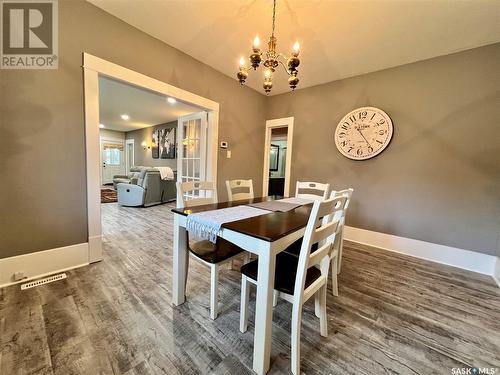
271,59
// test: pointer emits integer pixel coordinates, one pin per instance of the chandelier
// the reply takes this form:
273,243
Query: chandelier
272,59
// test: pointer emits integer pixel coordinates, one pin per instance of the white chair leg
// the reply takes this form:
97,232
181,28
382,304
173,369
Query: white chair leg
245,296
323,319
317,305
275,298
296,322
335,286
341,246
214,290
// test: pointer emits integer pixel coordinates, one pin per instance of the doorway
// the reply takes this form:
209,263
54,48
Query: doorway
278,156
112,160
129,154
94,68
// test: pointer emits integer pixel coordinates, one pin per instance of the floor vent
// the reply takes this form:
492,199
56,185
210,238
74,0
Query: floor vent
47,280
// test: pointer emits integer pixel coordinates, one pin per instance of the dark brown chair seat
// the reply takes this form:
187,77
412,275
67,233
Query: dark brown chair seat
286,272
294,249
214,253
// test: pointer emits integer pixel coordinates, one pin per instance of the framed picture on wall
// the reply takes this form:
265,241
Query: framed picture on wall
167,141
155,152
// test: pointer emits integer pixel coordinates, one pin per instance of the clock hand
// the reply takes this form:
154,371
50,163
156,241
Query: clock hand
359,130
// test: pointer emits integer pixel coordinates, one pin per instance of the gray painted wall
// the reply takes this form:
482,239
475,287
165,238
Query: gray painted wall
144,157
42,143
111,134
439,179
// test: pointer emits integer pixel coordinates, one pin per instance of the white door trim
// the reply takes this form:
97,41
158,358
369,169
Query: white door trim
129,142
270,125
112,140
93,67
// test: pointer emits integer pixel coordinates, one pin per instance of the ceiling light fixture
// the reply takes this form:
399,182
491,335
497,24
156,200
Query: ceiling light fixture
101,126
125,117
171,100
272,60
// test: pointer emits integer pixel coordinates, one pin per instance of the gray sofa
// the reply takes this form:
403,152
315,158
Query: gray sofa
145,189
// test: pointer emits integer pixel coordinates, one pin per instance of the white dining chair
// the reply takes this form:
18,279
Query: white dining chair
312,190
348,194
196,193
299,278
235,187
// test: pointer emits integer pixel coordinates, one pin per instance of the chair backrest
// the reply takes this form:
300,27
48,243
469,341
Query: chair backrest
196,193
346,192
312,190
343,193
234,188
322,228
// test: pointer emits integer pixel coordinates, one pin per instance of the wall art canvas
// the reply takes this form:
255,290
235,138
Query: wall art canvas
167,142
155,152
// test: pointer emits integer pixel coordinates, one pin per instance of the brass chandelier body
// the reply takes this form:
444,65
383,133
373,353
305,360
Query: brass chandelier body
272,59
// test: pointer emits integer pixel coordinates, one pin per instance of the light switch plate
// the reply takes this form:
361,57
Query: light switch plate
228,154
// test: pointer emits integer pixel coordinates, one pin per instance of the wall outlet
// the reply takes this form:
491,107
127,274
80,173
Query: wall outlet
228,154
223,144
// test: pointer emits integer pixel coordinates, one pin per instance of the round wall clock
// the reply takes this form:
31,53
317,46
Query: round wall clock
363,133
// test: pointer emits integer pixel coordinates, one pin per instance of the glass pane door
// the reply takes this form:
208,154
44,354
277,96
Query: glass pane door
192,147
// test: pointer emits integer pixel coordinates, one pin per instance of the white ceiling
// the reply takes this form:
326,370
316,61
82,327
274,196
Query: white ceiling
144,107
339,38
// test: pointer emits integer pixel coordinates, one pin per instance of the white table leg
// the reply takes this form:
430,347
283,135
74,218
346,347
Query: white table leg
264,313
181,255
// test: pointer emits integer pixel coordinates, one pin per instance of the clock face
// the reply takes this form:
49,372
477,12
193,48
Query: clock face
363,133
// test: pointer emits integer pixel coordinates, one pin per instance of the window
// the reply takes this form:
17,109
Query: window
112,156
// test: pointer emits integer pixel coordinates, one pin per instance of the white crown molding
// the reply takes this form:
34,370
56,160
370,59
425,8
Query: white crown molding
43,263
451,256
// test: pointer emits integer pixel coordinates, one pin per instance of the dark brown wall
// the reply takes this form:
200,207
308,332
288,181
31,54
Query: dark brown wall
42,144
439,179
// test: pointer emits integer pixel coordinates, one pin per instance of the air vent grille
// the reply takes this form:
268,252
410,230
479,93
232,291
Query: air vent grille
47,280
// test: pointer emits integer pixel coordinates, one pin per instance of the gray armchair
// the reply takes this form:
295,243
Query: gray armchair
149,190
129,178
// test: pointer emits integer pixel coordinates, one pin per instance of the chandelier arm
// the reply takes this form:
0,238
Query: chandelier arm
284,57
284,67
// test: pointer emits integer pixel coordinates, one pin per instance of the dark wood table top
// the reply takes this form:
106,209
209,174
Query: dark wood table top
269,227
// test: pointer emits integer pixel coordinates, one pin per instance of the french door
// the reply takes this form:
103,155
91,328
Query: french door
192,137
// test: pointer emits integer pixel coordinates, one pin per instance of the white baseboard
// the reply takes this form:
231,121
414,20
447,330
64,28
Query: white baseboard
43,263
451,256
496,276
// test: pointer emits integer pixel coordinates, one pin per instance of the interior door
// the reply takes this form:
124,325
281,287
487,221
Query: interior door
113,161
129,154
192,150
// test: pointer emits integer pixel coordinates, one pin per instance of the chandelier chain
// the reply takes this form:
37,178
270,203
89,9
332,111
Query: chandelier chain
274,15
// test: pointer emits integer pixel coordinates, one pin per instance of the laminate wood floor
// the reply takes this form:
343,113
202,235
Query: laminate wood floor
395,315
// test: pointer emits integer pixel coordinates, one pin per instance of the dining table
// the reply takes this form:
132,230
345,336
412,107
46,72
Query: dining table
264,235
